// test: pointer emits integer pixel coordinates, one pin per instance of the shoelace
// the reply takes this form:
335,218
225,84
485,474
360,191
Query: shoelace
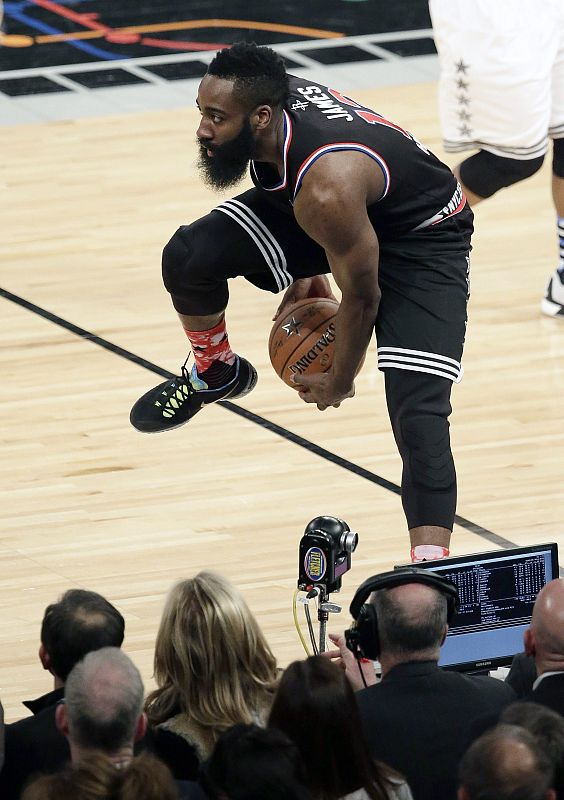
177,392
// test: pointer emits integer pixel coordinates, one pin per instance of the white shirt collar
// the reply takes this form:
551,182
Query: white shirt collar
546,675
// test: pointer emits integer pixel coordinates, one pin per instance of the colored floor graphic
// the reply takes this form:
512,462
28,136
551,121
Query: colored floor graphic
43,33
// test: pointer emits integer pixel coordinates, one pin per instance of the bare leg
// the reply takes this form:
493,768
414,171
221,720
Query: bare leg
558,194
430,534
205,323
472,198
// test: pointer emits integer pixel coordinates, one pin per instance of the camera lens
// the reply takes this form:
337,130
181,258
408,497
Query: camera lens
349,541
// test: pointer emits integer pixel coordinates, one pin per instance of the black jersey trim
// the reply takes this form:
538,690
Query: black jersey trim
454,206
288,133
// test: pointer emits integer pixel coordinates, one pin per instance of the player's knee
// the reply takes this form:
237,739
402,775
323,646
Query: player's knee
425,441
188,269
485,173
558,158
177,263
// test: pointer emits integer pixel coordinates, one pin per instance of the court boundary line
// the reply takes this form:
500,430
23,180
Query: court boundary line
373,43
251,416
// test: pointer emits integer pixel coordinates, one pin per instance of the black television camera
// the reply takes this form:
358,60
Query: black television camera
325,554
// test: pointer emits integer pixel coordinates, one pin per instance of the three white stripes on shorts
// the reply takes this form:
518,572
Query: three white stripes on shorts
388,357
262,237
420,361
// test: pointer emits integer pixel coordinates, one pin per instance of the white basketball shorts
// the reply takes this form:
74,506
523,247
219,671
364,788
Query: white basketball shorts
501,85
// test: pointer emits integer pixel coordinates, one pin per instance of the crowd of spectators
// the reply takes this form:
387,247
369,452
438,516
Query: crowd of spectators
226,723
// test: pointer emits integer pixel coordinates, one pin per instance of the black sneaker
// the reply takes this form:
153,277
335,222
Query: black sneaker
176,401
553,301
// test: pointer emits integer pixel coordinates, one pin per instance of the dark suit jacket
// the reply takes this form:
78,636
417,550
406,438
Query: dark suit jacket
549,692
418,720
522,674
33,745
190,790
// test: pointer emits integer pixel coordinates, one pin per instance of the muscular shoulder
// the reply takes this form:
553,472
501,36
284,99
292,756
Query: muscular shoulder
343,174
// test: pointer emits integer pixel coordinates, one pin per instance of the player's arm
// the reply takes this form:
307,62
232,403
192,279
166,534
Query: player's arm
331,208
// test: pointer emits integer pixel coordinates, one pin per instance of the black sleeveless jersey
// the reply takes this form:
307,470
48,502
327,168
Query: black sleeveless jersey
420,192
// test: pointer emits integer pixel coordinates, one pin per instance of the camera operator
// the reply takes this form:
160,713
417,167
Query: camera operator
418,718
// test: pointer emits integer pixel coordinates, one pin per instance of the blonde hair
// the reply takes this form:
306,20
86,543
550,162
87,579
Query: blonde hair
212,661
98,778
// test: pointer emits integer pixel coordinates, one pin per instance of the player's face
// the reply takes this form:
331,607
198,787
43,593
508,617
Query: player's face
225,135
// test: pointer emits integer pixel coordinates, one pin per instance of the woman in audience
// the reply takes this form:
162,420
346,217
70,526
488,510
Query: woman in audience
98,778
213,669
315,706
251,763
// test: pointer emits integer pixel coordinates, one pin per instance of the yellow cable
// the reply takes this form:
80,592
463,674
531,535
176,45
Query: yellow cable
297,624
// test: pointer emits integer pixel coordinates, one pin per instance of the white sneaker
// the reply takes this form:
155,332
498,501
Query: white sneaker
553,301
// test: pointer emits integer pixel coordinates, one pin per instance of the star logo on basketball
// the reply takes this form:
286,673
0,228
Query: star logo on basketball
293,327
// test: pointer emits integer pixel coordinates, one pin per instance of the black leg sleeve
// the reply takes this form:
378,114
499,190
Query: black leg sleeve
419,407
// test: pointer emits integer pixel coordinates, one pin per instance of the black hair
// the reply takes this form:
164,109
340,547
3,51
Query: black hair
258,74
252,763
81,621
316,707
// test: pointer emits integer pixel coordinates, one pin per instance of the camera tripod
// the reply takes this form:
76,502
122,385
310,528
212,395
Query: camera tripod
324,608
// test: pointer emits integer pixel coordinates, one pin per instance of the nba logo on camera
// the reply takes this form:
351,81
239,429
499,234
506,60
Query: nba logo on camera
315,564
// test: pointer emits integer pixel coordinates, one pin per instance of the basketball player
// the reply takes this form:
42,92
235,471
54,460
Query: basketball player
501,92
339,189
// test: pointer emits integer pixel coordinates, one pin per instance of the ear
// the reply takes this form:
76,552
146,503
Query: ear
529,641
262,117
141,728
44,658
444,635
61,719
551,795
462,794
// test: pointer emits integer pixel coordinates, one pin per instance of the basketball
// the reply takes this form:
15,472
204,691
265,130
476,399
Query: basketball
302,341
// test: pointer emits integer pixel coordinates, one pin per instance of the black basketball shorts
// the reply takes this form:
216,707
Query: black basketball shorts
423,277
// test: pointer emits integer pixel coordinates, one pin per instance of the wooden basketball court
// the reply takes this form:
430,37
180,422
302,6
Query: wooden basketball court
86,501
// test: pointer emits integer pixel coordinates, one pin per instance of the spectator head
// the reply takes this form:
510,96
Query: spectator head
212,661
412,622
103,707
78,623
544,639
506,763
315,706
144,778
546,726
251,763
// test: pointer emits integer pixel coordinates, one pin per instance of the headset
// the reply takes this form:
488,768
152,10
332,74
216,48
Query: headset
362,638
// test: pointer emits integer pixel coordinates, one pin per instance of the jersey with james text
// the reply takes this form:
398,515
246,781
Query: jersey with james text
420,192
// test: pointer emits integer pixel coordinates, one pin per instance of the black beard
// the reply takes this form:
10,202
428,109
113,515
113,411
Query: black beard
229,162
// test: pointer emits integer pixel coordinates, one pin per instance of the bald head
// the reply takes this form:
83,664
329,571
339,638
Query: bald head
415,598
506,764
545,637
104,700
412,620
